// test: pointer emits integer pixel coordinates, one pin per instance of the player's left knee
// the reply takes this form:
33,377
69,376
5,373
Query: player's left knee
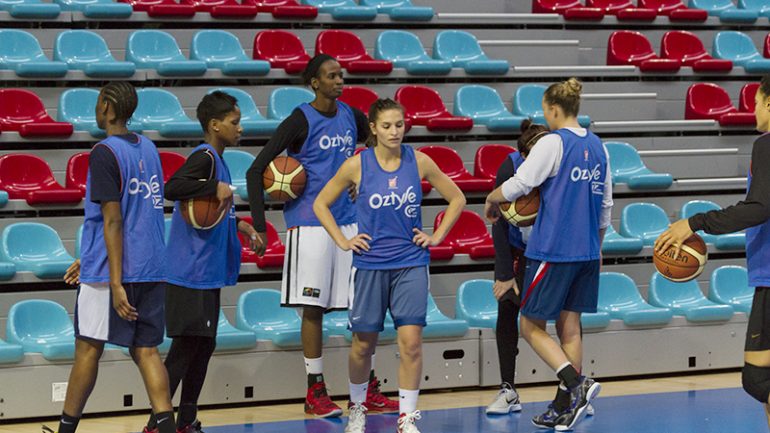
756,382
411,349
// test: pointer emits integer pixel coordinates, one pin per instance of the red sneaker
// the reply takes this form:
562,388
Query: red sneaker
376,401
195,427
318,403
146,430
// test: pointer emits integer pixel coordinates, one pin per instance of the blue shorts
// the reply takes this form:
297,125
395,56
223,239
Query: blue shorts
555,287
404,291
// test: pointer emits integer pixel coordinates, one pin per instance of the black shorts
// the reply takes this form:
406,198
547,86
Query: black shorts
191,312
758,331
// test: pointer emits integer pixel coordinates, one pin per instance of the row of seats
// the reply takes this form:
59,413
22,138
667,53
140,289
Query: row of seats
645,10
710,101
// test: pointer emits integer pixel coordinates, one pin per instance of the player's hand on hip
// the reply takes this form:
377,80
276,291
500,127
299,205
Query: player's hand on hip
120,303
491,211
500,288
423,239
358,243
675,236
224,195
72,276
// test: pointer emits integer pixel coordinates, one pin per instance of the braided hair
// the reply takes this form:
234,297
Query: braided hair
121,95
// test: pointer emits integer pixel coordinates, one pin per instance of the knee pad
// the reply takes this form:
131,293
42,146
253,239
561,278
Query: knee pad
756,382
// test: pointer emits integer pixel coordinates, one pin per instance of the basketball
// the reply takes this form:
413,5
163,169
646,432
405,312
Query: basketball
524,210
687,265
201,212
284,179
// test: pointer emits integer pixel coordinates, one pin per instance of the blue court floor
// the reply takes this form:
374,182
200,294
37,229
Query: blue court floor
714,411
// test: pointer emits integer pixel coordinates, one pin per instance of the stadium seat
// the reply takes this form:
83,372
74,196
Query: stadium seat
30,9
337,324
282,49
623,9
570,9
489,158
97,8
484,105
76,106
628,168
729,241
3,198
740,49
475,303
469,235
626,47
761,7
358,97
440,326
36,248
41,326
252,121
449,162
615,244
405,50
619,296
22,111
730,286
154,49
686,299
222,50
726,10
709,101
288,9
350,52
644,221
675,10
685,47
21,53
10,353
238,162
401,10
224,8
344,10
79,237
274,252
463,50
285,99
160,110
527,102
746,102
166,229
161,8
597,320
28,177
88,52
77,172
424,107
230,338
171,162
259,311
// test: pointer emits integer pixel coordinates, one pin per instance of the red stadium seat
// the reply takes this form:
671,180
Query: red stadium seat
424,107
274,253
746,101
450,163
489,158
28,177
709,101
359,97
171,161
687,48
289,9
350,51
766,50
77,172
161,8
469,236
223,8
570,9
675,10
441,252
632,48
623,9
22,111
282,49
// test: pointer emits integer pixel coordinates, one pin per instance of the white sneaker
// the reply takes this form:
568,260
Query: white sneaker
590,410
356,419
506,401
406,422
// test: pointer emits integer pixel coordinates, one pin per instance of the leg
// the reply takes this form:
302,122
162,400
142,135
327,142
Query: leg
192,384
569,331
82,376
177,363
546,348
410,349
507,339
756,377
156,383
360,358
312,332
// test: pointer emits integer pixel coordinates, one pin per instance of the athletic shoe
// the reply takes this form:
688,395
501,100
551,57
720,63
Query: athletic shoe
590,410
376,402
406,422
195,427
549,418
580,399
147,430
507,401
356,419
318,403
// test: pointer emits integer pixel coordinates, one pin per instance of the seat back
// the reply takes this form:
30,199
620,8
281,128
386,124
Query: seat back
37,320
757,5
624,160
707,101
469,229
158,106
359,97
457,46
342,45
279,47
489,158
77,47
149,48
683,46
77,171
171,162
285,99
238,162
77,106
475,299
729,282
662,6
528,100
735,46
553,6
216,47
666,293
611,6
712,5
22,173
628,47
249,110
447,159
746,102
617,290
262,308
18,46
478,102
399,47
421,102
693,207
641,220
20,107
32,242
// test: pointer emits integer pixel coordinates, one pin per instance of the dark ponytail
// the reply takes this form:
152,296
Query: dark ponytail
530,133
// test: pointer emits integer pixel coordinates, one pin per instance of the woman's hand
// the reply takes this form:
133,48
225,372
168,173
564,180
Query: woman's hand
359,243
72,276
675,236
256,241
500,288
225,196
491,211
424,240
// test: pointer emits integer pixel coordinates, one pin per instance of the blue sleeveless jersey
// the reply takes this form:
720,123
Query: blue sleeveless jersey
330,141
388,209
758,252
141,206
567,224
514,233
204,259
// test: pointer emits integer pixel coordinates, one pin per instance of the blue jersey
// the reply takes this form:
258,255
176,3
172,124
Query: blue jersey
567,224
330,141
514,233
204,259
388,209
141,207
758,252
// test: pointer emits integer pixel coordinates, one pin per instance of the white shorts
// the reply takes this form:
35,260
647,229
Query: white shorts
315,271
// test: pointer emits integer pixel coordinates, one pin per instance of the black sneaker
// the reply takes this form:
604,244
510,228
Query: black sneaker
580,398
550,418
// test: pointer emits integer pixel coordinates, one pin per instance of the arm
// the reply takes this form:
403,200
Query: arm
113,239
448,190
362,125
607,202
504,272
197,178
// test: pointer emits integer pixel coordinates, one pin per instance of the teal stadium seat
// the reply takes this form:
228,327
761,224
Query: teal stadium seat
619,296
41,326
463,50
10,353
30,9
76,106
344,10
161,111
252,121
645,221
3,198
730,286
441,326
222,50
686,299
87,51
21,52
78,241
97,8
599,319
405,50
729,241
337,324
475,303
527,102
484,105
628,167
761,7
725,10
166,229
401,10
285,99
260,311
154,49
740,49
230,338
615,244
238,162
36,248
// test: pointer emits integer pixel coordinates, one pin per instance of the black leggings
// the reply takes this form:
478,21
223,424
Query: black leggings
507,335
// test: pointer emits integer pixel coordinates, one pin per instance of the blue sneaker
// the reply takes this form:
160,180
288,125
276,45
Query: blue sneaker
580,399
550,418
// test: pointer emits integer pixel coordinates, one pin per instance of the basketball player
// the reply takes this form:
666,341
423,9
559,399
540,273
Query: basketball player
321,135
753,215
390,264
201,262
561,281
121,294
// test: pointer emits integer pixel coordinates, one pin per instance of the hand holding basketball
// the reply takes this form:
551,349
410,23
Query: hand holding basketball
675,236
358,243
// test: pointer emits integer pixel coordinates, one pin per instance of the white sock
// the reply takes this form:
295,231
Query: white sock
314,366
407,400
358,392
372,368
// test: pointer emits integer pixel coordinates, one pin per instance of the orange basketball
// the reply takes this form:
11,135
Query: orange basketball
284,179
687,265
201,212
524,211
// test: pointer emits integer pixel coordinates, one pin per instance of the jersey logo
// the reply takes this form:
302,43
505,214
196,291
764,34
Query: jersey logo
578,174
147,190
393,183
407,200
345,143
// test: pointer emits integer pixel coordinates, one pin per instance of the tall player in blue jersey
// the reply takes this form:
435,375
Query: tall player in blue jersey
321,135
121,294
561,281
391,257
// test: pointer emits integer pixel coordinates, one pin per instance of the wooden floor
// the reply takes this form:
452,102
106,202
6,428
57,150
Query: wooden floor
431,400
